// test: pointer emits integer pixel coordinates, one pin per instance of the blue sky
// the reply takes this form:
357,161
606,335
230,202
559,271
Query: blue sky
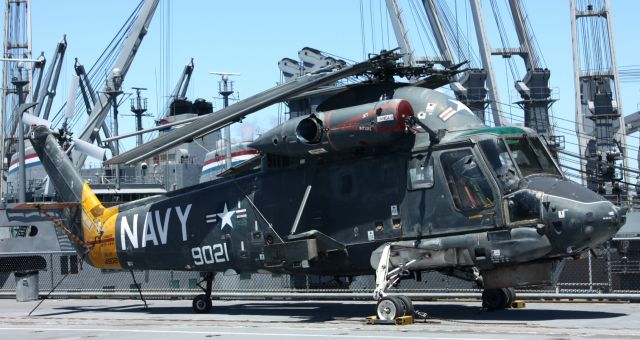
250,37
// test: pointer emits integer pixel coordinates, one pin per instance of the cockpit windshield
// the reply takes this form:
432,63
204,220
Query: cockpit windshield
531,156
497,156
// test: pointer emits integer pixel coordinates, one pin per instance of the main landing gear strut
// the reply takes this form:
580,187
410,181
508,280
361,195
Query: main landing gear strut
202,302
391,307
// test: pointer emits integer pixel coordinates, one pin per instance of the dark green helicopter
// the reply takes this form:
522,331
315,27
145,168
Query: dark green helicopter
388,178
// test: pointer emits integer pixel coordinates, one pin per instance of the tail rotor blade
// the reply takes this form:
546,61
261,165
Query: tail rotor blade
31,120
89,149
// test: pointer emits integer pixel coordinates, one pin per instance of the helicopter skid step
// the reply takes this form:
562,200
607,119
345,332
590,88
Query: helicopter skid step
301,248
291,252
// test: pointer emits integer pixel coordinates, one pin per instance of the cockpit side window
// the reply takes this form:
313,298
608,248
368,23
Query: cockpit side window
420,169
469,187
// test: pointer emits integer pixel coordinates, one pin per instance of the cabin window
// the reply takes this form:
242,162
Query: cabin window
420,169
469,187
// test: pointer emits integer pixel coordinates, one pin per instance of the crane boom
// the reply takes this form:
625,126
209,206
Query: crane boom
180,91
123,62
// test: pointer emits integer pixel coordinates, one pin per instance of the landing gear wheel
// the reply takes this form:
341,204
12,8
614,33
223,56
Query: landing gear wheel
408,305
202,304
493,299
390,308
511,296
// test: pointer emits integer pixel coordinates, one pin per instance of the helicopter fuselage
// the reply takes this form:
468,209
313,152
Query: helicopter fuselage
484,204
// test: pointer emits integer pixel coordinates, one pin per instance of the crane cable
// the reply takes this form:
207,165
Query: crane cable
106,58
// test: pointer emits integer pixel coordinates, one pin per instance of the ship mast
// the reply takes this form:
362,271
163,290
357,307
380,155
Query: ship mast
17,48
139,107
225,89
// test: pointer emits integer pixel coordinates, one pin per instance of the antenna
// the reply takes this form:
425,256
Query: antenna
225,86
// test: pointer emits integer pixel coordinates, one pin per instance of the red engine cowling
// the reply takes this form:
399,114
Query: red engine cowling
373,124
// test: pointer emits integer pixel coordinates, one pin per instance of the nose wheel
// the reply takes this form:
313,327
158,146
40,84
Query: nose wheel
498,298
202,303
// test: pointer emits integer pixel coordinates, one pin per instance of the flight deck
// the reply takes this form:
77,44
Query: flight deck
250,319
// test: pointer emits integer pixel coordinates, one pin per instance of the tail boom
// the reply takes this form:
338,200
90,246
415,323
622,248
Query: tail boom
94,224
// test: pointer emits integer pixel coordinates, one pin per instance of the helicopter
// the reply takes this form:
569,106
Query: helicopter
386,178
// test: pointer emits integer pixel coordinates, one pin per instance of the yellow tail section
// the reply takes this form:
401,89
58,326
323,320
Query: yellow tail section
98,224
99,230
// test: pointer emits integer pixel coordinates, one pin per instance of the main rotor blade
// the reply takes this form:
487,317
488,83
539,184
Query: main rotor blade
233,113
151,129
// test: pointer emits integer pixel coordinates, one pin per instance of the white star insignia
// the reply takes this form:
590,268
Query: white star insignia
225,216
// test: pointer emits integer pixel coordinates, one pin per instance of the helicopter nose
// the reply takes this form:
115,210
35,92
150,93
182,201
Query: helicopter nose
605,223
578,219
